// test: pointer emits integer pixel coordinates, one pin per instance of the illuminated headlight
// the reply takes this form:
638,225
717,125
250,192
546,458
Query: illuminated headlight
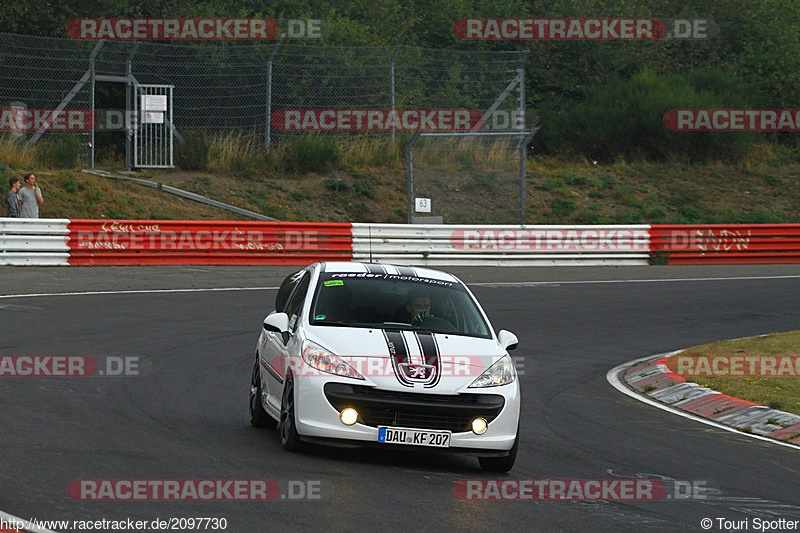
479,425
500,373
317,357
348,416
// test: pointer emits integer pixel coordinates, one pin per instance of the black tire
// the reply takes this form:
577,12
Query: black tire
258,416
290,439
501,464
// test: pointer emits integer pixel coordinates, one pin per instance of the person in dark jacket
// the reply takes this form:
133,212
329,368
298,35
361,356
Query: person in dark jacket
13,203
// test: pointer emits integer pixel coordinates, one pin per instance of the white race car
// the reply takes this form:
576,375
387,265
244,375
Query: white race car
390,356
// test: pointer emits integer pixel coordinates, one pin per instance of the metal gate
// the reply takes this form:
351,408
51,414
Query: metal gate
153,128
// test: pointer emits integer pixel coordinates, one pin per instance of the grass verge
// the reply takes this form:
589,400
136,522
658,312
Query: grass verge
781,393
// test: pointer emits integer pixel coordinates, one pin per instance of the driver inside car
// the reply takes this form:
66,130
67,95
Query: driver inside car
419,308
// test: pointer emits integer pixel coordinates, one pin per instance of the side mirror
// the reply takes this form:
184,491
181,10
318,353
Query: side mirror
277,322
507,340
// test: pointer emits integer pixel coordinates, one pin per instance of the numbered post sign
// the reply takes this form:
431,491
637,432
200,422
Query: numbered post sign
423,205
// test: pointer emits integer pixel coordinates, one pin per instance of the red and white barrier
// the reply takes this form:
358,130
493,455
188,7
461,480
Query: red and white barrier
443,245
157,242
34,242
726,243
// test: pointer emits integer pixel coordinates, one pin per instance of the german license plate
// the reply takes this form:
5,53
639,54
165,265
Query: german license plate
414,437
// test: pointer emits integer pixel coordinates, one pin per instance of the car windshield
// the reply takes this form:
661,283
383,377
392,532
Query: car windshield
398,302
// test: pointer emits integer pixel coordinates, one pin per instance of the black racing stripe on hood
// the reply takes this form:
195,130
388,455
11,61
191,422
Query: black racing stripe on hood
406,271
430,353
374,268
398,352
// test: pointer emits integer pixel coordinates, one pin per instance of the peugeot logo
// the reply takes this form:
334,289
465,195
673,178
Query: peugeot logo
420,373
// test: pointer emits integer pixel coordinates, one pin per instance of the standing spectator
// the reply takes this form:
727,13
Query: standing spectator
31,196
13,203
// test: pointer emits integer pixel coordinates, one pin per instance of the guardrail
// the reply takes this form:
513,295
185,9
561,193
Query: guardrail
440,245
156,242
188,242
34,242
725,243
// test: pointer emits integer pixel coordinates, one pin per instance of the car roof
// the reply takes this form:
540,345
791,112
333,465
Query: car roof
384,268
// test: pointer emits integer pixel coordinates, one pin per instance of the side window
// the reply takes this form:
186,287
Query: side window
285,290
296,301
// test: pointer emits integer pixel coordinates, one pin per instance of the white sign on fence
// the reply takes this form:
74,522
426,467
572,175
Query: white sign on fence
153,117
154,102
423,205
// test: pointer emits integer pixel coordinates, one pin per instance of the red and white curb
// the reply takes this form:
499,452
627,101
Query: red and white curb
650,381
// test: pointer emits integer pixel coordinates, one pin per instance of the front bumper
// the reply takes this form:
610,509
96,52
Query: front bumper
318,405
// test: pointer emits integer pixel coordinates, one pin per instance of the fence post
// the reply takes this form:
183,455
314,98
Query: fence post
129,107
268,127
391,71
94,114
524,143
410,174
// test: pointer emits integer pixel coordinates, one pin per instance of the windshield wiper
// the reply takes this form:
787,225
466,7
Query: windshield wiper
333,323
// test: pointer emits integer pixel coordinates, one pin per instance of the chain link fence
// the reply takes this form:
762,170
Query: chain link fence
237,86
467,178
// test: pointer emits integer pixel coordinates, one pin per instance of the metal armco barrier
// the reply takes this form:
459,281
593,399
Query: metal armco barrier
187,242
48,242
32,241
443,245
726,243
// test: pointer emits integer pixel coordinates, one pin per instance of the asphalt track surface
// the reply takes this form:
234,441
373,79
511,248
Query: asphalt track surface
185,417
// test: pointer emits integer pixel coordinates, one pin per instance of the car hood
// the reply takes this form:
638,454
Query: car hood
410,360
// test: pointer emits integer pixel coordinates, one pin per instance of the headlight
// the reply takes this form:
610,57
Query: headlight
317,357
500,373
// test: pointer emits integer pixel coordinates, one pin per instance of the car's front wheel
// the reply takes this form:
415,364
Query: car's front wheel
501,464
258,416
290,439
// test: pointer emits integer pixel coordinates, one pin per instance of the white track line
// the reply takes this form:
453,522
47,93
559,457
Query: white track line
28,526
482,283
143,291
613,379
574,282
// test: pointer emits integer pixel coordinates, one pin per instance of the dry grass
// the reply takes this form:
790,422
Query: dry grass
234,152
14,153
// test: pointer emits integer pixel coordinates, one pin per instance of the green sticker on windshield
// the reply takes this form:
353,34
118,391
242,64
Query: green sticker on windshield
333,283
320,317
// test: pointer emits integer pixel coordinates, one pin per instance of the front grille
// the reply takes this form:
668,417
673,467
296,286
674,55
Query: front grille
377,407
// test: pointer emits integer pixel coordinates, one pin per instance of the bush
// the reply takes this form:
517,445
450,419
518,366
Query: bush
624,118
576,180
63,151
311,153
336,185
234,152
363,188
563,207
192,153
